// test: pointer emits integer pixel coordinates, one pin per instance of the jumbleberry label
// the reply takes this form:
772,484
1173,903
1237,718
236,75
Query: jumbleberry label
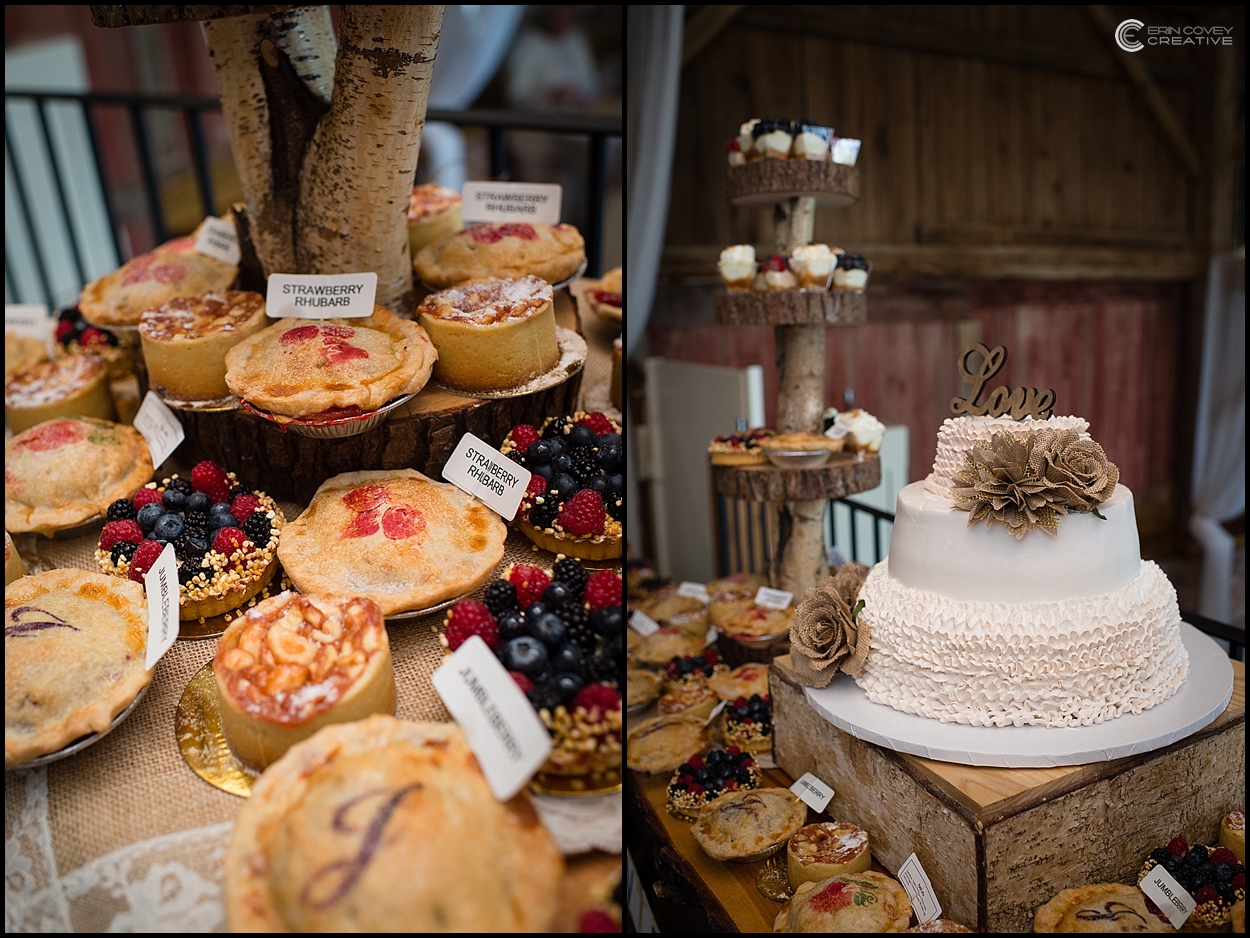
694,591
1171,897
773,599
812,792
482,471
321,296
161,583
643,624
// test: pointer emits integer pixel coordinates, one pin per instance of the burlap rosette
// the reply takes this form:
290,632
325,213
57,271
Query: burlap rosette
827,636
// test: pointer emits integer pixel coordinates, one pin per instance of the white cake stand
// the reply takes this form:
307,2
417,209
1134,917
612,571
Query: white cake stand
1202,698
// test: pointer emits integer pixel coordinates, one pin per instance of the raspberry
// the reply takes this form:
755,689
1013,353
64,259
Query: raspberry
597,422
696,761
1206,894
696,789
92,336
116,531
228,540
1178,846
146,496
522,681
145,556
211,479
583,514
468,618
672,669
64,331
1223,855
603,589
730,785
596,920
777,263
243,506
597,696
709,655
529,582
523,434
1239,881
537,486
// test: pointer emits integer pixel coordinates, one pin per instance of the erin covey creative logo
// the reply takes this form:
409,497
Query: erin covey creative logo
1134,35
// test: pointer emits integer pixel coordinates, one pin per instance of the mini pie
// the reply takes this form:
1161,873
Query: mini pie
147,281
13,566
402,540
185,341
20,353
667,603
694,621
293,664
739,449
433,211
641,686
1233,834
1104,907
502,249
663,743
606,296
670,642
742,824
749,583
758,622
385,825
74,645
821,851
800,443
330,367
856,902
64,472
493,333
750,678
74,386
694,699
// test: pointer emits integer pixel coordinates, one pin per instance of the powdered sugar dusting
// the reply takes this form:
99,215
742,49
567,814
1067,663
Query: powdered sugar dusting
50,381
490,301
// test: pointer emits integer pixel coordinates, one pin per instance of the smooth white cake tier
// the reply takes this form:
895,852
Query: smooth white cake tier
1073,662
957,435
933,549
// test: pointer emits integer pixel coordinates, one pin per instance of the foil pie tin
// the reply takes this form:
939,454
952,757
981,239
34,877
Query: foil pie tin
335,428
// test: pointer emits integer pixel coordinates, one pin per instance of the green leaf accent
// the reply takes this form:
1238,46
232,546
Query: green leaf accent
864,898
103,439
1099,514
856,611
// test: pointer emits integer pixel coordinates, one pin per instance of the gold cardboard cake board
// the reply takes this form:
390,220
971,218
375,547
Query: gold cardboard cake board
576,786
197,726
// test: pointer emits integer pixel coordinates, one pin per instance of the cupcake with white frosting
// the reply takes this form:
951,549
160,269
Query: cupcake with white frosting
813,265
737,266
859,430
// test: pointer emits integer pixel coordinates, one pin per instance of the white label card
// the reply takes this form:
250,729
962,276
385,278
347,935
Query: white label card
1163,890
217,239
812,792
159,427
773,599
643,624
716,711
31,320
161,583
501,727
484,472
321,296
694,590
924,900
711,636
534,202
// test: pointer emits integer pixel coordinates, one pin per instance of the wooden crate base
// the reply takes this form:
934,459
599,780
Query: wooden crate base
997,843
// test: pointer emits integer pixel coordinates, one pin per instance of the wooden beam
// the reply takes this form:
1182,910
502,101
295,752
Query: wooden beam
147,15
1137,72
705,26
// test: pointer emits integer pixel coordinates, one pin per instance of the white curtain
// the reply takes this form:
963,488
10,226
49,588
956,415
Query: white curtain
1219,472
654,41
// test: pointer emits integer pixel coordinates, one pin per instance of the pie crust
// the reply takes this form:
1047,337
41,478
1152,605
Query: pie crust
147,281
824,850
606,296
750,678
13,566
74,646
939,926
64,472
689,698
20,353
402,540
502,249
663,743
293,664
667,603
641,686
759,621
492,334
185,341
854,902
433,211
385,825
741,824
800,442
1233,834
74,386
670,642
313,367
1098,907
749,583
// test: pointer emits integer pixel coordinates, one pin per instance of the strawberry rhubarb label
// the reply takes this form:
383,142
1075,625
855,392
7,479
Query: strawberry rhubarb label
484,472
321,296
536,203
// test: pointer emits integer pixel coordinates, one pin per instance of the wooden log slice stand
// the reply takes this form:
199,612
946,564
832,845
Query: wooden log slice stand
796,187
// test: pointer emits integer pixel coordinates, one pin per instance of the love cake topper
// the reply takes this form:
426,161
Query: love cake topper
1016,402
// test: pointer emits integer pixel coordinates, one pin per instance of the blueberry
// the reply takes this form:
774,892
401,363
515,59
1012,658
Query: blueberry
545,471
550,628
562,463
601,484
556,593
609,457
618,483
562,487
219,516
568,658
197,546
527,655
581,436
614,648
174,500
148,516
198,501
609,438
169,527
512,625
534,613
608,621
567,685
539,452
703,776
1196,858
558,447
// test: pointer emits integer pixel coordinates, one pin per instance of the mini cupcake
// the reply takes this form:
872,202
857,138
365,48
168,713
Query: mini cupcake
812,142
778,275
700,780
851,273
859,430
813,266
737,266
773,139
844,150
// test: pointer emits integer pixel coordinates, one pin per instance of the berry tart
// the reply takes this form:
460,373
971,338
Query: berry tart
575,504
1212,875
739,449
225,538
433,211
74,335
749,724
75,386
695,669
701,780
502,249
829,848
560,635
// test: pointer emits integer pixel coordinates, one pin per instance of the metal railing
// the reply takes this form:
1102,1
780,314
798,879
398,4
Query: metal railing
598,130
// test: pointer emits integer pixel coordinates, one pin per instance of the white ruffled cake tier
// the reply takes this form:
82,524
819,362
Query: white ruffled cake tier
1071,662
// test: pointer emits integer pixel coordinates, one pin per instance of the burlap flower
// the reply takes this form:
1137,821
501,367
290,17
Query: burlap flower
1077,470
999,485
826,636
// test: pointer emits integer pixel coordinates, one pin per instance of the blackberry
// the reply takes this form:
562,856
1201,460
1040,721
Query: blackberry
258,528
188,570
200,532
123,549
237,490
545,695
544,515
187,547
122,510
500,598
602,670
571,572
196,519
615,506
556,426
585,467
518,457
579,630
180,485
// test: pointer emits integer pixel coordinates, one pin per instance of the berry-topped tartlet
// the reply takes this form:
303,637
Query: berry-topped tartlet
1212,875
697,669
700,780
225,538
739,449
749,724
575,500
559,633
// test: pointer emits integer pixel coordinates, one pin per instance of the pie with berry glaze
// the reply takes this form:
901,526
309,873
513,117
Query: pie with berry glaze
492,334
307,368
74,386
385,825
147,281
293,664
395,536
74,648
64,472
850,902
750,678
744,824
502,249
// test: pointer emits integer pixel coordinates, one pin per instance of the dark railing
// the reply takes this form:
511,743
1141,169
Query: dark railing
597,129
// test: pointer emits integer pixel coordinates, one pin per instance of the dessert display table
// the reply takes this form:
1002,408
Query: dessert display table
791,308
997,842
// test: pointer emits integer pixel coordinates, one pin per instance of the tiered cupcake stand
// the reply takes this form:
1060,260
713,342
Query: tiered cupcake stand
795,188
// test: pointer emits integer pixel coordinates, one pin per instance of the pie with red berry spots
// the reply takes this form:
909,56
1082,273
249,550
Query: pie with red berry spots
395,536
64,472
502,249
850,902
606,296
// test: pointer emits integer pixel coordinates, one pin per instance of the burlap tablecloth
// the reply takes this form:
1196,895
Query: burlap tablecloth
123,836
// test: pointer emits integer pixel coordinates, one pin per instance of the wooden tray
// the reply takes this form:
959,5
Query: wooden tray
844,475
765,182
